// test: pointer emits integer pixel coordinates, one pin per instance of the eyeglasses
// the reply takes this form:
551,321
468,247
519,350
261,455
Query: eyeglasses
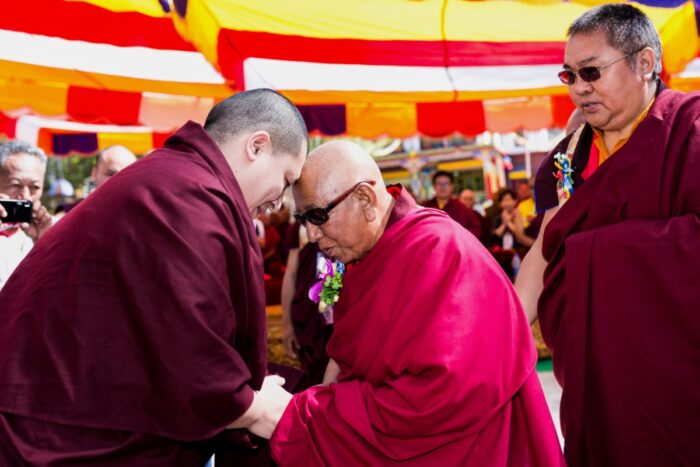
588,73
319,216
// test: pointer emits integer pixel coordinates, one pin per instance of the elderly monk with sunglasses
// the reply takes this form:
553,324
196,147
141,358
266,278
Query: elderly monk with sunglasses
614,273
433,359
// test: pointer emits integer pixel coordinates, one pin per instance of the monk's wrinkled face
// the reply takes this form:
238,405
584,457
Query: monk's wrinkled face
22,177
612,102
347,234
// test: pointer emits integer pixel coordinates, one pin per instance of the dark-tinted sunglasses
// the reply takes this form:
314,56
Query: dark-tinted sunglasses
588,73
319,216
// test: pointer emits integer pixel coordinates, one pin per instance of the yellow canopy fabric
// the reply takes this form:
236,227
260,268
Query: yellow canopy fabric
380,64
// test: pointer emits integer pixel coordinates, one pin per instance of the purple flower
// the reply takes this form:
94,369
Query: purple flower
315,291
327,271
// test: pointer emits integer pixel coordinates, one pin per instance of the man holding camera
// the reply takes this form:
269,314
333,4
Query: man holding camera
22,169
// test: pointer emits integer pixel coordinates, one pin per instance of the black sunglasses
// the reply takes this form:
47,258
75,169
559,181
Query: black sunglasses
588,73
319,216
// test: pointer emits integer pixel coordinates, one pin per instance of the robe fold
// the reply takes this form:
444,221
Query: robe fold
436,357
464,216
136,327
621,299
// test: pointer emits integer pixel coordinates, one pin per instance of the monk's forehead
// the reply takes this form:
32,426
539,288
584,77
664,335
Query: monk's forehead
315,191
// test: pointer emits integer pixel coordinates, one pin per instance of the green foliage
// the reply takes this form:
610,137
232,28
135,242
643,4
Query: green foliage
73,168
331,288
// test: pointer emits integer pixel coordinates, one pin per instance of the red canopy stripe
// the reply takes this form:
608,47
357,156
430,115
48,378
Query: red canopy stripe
90,23
102,106
444,118
235,46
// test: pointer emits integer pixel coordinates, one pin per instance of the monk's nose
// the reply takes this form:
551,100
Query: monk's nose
581,87
313,232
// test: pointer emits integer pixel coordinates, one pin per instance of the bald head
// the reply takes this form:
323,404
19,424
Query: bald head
467,198
335,166
357,222
109,162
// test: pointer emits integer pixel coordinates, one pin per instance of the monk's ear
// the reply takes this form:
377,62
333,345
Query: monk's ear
368,201
646,62
257,144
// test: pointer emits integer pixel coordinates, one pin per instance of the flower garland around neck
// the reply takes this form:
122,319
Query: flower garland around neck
326,291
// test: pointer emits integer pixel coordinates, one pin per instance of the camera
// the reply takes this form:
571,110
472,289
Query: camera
18,210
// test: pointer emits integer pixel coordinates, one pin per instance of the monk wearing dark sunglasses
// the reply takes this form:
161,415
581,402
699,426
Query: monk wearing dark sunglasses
432,362
613,275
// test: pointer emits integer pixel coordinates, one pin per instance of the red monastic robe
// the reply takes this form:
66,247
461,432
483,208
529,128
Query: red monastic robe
437,361
134,332
621,301
464,216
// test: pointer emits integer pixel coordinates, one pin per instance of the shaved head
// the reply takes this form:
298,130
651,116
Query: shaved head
357,222
109,162
467,198
333,167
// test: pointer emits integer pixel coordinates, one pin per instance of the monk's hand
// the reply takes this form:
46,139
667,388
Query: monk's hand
270,403
40,223
289,339
332,371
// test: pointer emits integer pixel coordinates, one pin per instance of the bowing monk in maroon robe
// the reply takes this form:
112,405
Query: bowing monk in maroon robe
616,271
134,334
434,357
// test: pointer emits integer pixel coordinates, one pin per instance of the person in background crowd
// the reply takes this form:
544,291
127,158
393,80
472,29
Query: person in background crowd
467,197
22,170
509,236
443,184
107,164
525,201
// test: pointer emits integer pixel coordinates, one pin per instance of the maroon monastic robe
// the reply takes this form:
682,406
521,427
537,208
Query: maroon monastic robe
620,307
436,357
463,215
134,332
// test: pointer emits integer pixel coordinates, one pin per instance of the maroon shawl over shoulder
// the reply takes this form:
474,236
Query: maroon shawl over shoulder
464,216
437,364
140,312
621,302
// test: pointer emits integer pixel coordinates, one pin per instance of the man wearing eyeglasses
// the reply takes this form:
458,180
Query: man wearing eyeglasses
613,275
433,360
443,185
